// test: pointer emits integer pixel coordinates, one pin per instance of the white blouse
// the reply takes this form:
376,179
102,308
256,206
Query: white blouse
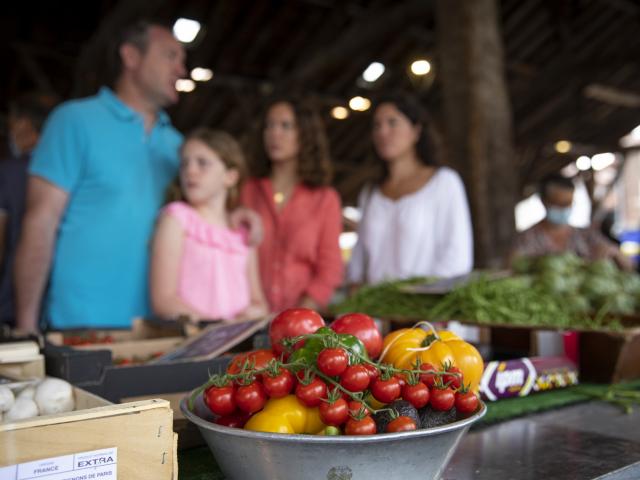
424,233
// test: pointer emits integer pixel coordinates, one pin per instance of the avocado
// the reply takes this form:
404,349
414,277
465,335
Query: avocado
430,418
402,407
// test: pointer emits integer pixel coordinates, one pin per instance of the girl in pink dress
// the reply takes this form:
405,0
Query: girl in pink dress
200,266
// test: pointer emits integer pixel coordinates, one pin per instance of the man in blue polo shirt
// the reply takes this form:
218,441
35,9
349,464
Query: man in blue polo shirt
97,180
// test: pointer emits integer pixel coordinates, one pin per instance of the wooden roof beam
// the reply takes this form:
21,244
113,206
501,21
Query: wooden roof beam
376,24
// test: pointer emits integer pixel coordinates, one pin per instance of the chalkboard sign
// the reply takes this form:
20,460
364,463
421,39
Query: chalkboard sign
213,341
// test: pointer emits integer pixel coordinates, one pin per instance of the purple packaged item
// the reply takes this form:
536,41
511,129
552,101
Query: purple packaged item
523,376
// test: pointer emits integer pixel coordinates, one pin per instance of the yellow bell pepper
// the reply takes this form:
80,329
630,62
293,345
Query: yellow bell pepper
373,403
447,349
286,415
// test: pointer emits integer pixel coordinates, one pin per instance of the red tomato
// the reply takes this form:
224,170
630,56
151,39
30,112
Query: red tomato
332,361
334,414
402,379
364,328
259,358
250,398
235,420
279,385
417,395
220,400
429,379
355,407
355,378
300,374
373,371
401,424
366,426
386,391
291,323
454,381
442,399
466,402
313,393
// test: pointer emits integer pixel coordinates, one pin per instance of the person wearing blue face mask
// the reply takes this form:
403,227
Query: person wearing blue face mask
27,114
554,234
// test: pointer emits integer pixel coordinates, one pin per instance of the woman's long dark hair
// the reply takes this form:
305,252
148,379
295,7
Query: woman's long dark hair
314,162
411,108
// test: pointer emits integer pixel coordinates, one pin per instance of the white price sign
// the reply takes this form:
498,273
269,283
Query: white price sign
97,464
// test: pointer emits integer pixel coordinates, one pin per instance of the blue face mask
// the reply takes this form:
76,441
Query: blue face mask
558,216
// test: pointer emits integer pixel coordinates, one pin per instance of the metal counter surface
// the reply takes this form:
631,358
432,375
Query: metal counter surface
593,440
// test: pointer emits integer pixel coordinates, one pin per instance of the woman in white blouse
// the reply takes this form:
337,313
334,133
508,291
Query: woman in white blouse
416,221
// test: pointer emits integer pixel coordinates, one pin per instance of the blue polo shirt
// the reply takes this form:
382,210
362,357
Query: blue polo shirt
116,175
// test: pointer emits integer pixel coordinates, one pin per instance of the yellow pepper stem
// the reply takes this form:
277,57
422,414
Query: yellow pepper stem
419,324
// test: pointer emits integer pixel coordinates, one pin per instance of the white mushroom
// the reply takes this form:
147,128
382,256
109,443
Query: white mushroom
54,396
6,398
29,392
22,408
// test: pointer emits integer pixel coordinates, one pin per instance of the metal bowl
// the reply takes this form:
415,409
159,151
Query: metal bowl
247,455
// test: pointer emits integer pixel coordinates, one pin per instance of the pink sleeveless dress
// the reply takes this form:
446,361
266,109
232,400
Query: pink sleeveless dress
213,272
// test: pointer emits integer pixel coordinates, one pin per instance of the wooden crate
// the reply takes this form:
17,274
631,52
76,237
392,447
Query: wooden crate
604,356
21,360
141,431
610,357
142,341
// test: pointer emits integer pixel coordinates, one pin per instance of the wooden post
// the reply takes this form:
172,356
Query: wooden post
477,120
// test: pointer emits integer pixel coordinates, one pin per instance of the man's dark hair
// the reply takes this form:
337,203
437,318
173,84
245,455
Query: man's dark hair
35,106
554,180
136,34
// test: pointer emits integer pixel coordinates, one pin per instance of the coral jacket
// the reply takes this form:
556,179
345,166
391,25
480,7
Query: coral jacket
300,254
